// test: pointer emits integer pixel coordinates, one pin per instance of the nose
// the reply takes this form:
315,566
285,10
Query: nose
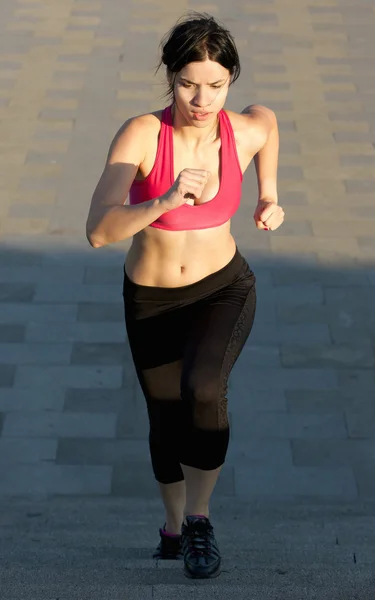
201,99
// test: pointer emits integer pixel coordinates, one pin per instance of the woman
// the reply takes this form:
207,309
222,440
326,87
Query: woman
189,294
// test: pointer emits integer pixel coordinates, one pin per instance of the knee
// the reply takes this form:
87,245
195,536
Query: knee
200,392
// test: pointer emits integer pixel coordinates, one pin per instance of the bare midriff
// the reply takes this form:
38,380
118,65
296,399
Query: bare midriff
159,258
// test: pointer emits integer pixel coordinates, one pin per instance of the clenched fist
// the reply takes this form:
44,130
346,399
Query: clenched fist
268,215
188,185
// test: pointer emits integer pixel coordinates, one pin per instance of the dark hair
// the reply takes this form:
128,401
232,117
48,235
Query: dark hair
195,38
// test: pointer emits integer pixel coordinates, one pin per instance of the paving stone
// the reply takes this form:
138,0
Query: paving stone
356,378
40,273
278,424
16,292
359,187
353,136
281,105
264,334
347,116
169,592
103,275
26,450
24,312
262,68
334,27
293,173
6,84
12,334
52,93
55,479
28,211
96,400
300,294
296,481
277,85
324,9
78,376
259,355
41,157
268,400
281,378
7,375
29,353
133,479
323,276
77,451
331,453
288,147
299,228
259,452
326,401
353,298
337,355
325,60
365,481
360,421
366,243
292,198
98,354
59,424
79,293
111,312
21,399
354,160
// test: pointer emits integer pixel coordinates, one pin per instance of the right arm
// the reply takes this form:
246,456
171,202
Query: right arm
109,220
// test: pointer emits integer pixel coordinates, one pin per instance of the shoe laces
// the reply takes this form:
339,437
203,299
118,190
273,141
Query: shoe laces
199,539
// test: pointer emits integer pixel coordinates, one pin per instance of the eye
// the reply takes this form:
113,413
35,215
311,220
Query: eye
185,85
216,87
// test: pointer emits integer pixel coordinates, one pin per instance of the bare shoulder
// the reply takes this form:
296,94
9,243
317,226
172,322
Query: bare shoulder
145,122
252,126
137,130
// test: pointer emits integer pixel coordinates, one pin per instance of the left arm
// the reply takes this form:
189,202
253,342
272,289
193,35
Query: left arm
268,215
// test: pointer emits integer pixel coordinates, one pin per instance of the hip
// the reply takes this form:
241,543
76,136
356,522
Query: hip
230,284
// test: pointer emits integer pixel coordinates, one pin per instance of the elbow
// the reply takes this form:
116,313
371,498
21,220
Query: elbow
94,240
95,244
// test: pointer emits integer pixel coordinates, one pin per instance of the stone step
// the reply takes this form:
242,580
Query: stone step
64,548
313,583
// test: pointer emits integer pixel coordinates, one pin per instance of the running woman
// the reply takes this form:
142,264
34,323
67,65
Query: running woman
189,294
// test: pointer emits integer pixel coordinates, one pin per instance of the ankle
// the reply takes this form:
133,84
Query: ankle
200,512
172,527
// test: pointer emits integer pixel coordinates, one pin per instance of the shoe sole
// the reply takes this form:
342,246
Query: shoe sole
202,575
167,557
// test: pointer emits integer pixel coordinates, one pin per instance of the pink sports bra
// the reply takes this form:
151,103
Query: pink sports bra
213,213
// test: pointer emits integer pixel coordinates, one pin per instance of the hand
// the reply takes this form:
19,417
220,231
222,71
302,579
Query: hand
268,215
189,184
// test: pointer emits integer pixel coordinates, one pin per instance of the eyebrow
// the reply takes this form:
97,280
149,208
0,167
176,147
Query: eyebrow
192,82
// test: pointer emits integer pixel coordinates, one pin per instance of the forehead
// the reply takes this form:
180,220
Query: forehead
204,72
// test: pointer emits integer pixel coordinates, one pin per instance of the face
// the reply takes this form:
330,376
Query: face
200,90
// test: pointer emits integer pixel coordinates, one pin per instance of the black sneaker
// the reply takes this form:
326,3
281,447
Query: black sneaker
169,548
200,550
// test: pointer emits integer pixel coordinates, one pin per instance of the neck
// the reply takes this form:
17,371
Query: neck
190,135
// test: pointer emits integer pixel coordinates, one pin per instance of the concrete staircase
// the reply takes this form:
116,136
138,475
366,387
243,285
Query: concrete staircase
99,548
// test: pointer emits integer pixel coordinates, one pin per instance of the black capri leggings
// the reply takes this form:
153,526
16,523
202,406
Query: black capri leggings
184,342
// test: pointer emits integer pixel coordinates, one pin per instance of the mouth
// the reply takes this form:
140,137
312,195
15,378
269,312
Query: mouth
200,115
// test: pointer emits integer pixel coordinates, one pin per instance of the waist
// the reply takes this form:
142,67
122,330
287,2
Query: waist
236,268
172,259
